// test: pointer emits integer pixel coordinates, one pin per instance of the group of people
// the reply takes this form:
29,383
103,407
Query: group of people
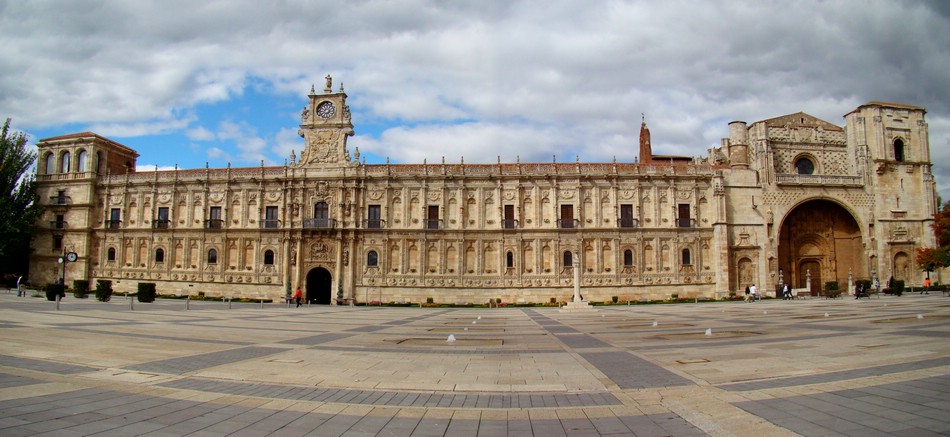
752,293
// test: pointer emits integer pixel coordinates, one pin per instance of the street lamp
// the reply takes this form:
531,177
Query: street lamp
68,257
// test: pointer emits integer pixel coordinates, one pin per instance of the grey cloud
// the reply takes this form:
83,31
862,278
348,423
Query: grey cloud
575,77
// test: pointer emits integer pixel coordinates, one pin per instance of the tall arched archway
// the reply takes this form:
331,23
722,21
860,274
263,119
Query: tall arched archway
319,286
821,239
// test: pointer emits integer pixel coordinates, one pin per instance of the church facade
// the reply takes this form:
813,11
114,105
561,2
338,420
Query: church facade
792,199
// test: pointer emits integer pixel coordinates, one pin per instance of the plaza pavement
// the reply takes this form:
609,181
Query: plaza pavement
867,367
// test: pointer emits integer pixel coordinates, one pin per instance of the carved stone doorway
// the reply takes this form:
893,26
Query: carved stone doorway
821,236
319,286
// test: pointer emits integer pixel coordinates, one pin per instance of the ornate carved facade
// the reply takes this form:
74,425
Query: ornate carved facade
792,193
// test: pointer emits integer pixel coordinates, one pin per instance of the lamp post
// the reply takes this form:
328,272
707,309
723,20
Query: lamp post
68,257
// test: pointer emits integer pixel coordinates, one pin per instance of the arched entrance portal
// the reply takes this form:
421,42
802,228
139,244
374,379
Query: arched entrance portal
821,239
319,286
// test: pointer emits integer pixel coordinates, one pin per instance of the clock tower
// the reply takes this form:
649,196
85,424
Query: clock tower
325,125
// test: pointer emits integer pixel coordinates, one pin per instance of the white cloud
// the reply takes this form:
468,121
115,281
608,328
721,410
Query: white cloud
199,133
480,79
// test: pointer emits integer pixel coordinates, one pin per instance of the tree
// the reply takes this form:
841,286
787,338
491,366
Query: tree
930,259
19,203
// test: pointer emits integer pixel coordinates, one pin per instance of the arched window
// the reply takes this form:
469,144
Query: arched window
98,162
899,150
805,166
628,258
159,255
212,256
268,257
81,165
509,260
110,254
50,163
568,259
686,258
65,162
372,259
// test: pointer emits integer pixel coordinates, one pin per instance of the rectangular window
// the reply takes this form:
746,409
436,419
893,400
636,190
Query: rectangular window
270,217
373,220
432,217
510,222
683,219
60,222
57,242
567,217
115,219
626,216
214,218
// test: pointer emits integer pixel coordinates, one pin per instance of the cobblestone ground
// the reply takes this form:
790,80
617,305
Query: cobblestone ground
867,367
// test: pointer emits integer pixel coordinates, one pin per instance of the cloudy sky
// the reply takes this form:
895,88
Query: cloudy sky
187,82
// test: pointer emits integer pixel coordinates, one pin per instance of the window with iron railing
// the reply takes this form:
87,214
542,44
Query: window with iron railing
162,221
214,218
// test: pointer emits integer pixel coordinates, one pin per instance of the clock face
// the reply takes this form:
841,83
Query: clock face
326,110
72,257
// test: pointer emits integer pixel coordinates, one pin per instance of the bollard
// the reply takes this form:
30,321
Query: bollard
57,302
262,303
131,303
187,302
229,303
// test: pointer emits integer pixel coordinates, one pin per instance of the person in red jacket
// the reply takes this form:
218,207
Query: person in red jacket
297,296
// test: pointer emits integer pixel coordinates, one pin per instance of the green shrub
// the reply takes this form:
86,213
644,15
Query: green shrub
81,288
429,300
146,292
614,299
865,282
675,296
831,285
898,287
103,290
53,290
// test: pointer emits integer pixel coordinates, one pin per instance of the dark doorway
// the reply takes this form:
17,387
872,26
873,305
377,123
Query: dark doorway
319,286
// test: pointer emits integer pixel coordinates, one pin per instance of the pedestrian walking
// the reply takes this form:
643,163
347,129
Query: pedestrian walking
297,296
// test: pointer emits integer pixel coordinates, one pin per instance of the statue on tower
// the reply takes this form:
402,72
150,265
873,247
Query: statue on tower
329,87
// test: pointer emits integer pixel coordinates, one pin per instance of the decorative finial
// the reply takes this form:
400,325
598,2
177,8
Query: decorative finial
312,90
341,86
357,153
643,118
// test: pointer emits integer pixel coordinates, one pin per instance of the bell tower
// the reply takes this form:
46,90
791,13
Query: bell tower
325,125
646,149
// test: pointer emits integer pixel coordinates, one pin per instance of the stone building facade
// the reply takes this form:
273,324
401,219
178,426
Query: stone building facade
792,199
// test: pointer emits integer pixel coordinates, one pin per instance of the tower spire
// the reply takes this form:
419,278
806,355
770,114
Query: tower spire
646,151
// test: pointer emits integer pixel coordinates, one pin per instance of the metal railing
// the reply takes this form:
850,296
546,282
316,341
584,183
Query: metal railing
685,223
510,224
432,223
628,223
319,223
113,224
568,223
270,224
160,223
214,224
59,200
374,224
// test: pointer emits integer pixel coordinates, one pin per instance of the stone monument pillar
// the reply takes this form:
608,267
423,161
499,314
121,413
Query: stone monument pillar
577,305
